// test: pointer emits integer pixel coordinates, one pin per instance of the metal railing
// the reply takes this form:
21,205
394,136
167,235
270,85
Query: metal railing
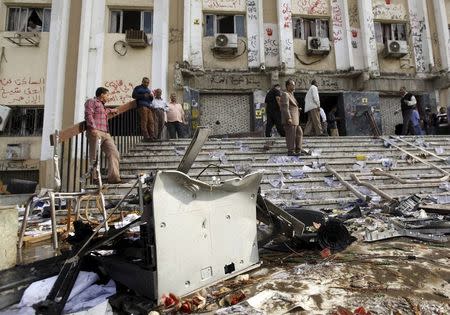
72,146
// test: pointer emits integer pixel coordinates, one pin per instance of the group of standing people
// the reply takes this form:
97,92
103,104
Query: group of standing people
283,111
155,113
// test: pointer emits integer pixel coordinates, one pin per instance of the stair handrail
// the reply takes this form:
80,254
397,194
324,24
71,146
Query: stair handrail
80,127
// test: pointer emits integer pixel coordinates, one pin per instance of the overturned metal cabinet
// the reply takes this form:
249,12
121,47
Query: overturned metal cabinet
203,233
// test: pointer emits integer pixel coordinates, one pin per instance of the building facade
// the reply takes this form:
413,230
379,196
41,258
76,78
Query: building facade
220,57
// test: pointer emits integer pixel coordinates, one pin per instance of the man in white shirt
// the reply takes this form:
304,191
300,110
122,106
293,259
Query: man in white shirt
312,107
159,108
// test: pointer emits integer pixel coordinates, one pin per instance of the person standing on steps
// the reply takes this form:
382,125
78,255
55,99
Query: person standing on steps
144,98
175,118
407,104
312,107
273,112
290,117
96,117
159,108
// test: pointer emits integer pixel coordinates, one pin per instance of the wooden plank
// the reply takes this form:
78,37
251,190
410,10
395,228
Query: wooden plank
76,129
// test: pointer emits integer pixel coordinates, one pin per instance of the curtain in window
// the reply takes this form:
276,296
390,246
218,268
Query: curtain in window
13,20
46,21
240,25
378,32
298,28
147,22
209,25
24,16
115,22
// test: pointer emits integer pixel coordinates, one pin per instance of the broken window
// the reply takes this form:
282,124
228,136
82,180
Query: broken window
304,28
28,19
387,31
123,20
224,24
24,122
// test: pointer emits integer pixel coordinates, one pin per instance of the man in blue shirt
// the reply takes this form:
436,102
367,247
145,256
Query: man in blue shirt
415,120
144,98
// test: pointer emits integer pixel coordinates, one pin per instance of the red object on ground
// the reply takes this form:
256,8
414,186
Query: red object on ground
326,252
388,1
361,311
186,307
236,298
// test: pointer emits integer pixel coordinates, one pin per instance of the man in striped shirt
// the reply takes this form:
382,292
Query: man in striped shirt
96,116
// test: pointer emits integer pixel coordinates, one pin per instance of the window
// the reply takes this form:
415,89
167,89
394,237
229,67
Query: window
24,122
304,28
122,21
385,32
29,19
227,24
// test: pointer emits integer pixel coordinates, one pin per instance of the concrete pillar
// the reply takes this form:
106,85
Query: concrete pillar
193,33
342,35
90,53
56,64
255,34
286,36
420,36
442,32
368,37
160,58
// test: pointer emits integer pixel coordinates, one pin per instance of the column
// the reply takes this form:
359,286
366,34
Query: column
255,34
442,32
368,37
342,35
160,58
286,36
193,33
420,36
56,64
90,53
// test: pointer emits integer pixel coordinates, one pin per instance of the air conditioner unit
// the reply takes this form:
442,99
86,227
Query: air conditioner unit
19,152
4,115
318,46
136,38
225,42
396,48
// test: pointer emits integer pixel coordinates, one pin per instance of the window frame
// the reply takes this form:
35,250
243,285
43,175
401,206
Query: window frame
37,113
215,24
380,29
141,22
317,27
8,17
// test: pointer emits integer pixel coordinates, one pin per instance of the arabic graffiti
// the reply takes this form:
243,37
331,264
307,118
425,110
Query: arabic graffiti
418,32
22,91
119,91
224,4
338,31
381,10
319,7
271,44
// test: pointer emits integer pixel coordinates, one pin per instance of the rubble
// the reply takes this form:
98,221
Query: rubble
373,252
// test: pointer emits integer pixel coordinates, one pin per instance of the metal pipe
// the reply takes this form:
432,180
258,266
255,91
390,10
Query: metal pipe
371,187
420,148
416,157
380,172
347,184
53,219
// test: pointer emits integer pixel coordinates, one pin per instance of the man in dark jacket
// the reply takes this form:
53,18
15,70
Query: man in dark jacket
408,103
144,98
273,112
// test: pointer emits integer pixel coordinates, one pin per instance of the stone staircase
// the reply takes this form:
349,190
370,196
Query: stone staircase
299,181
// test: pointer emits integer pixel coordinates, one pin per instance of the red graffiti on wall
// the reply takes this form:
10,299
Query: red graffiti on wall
22,91
119,91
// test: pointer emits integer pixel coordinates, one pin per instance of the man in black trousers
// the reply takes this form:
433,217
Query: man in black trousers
273,112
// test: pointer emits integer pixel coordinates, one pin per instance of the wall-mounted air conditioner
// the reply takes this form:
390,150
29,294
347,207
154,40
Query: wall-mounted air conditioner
226,42
19,151
318,46
396,48
136,38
